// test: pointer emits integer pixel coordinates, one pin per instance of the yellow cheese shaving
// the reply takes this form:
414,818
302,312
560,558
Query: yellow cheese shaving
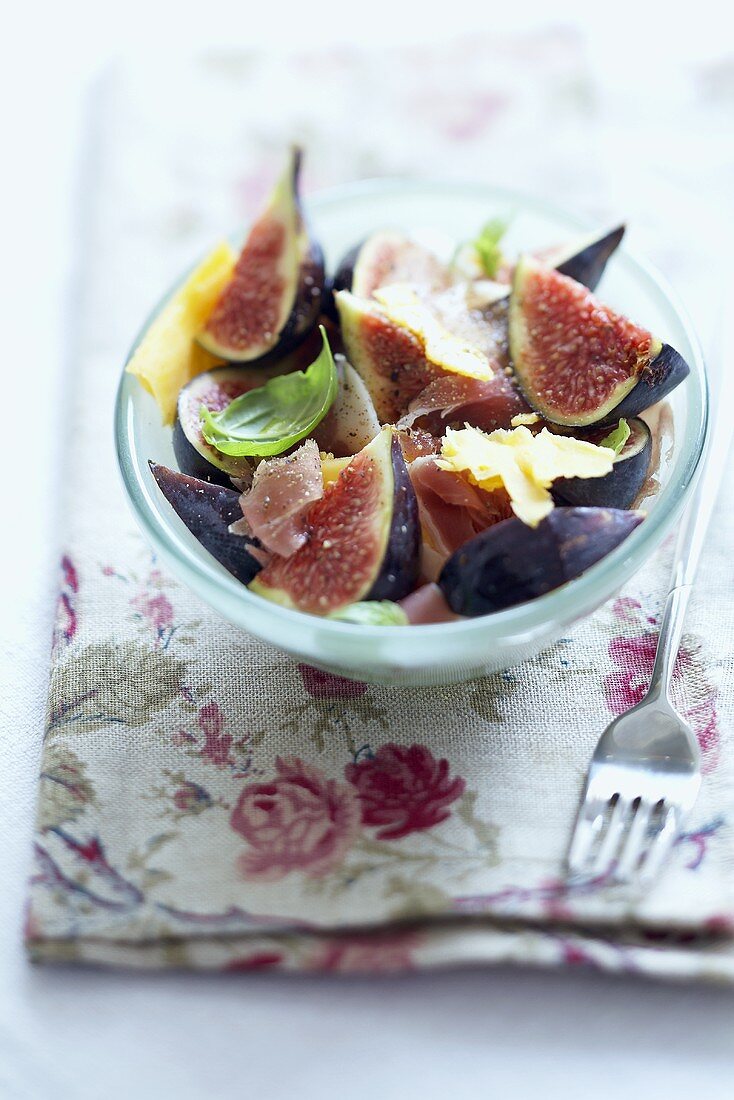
522,463
403,307
167,358
331,467
524,418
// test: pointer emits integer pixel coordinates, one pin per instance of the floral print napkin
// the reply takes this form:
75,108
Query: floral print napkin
205,801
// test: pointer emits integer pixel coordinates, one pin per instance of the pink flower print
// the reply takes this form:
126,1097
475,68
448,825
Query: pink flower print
634,657
156,609
66,618
160,612
381,952
325,685
721,924
217,746
71,577
628,683
66,624
574,955
259,960
404,790
191,798
157,612
705,723
299,821
625,608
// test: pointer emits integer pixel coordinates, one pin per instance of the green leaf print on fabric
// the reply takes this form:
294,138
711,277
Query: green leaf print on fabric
106,683
65,788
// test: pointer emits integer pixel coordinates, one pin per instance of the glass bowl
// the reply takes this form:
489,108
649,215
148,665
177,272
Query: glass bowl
439,214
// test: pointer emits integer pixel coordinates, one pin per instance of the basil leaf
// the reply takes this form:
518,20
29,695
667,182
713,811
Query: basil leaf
372,613
617,438
269,420
487,246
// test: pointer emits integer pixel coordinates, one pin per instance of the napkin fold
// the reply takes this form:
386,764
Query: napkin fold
204,800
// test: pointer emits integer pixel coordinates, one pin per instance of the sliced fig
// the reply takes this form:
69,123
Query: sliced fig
511,563
621,487
274,297
477,311
208,510
214,389
364,539
577,361
351,422
387,257
584,259
389,359
405,387
414,309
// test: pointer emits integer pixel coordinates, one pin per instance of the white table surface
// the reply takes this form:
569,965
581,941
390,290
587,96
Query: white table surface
70,1034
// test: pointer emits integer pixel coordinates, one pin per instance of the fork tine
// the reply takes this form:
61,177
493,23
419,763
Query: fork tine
612,837
634,845
585,833
660,848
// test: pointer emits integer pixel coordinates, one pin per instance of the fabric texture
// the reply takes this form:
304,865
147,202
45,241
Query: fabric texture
207,802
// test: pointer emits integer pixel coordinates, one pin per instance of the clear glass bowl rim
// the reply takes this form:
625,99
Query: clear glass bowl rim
562,605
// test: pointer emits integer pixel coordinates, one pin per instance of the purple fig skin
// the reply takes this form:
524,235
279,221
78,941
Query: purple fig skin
587,265
191,462
511,563
307,307
617,489
341,280
345,272
400,566
193,455
659,378
208,510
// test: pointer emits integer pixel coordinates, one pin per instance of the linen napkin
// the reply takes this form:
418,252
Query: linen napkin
204,800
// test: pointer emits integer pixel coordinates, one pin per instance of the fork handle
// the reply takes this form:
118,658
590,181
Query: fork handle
671,629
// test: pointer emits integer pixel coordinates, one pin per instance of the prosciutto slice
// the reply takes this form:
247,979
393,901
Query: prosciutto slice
417,442
428,605
451,510
283,489
484,404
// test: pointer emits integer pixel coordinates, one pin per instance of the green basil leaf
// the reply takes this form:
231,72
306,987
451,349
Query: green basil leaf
617,438
269,420
487,246
372,613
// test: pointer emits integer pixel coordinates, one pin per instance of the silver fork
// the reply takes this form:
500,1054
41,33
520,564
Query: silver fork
645,773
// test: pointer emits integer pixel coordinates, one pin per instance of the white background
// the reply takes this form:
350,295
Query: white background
73,1034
